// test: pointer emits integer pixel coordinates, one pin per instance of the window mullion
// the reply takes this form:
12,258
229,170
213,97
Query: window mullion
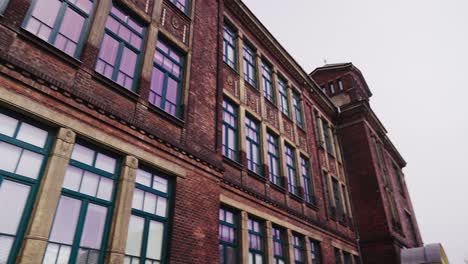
79,230
164,91
118,60
144,242
57,23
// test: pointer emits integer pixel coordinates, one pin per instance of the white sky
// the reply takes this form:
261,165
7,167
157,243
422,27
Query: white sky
414,56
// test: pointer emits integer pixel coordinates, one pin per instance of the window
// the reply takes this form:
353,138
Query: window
328,138
346,201
61,23
253,151
338,256
411,227
229,46
393,209
323,88
315,252
338,201
167,79
291,170
147,229
3,6
23,150
250,68
381,161
318,122
280,248
298,109
230,131
267,78
274,160
332,88
227,237
399,181
82,219
340,85
347,258
256,248
328,193
183,5
121,49
357,260
283,93
298,247
308,186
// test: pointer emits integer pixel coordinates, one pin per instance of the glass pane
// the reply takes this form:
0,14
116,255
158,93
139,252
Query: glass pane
258,259
161,209
138,196
72,178
94,226
85,5
30,164
106,187
51,254
172,90
160,184
157,79
155,240
64,255
129,59
72,25
32,135
150,203
46,11
65,221
105,163
5,247
13,197
135,235
83,154
89,183
10,155
8,126
109,49
143,178
231,255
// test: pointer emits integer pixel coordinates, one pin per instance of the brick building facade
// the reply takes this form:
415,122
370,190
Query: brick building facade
180,131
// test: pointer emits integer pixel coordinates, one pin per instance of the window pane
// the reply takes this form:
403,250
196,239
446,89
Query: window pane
72,178
138,196
106,187
105,163
143,178
161,209
32,135
66,218
129,59
160,184
10,155
72,25
30,164
51,253
5,247
150,203
94,226
89,183
135,236
155,235
83,154
85,5
8,126
109,49
13,197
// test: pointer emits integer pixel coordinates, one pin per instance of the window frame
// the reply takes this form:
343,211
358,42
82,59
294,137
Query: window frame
229,29
328,138
252,80
283,243
261,236
300,246
284,98
34,184
291,170
235,226
225,135
273,140
298,113
309,192
58,23
315,251
267,82
340,209
251,144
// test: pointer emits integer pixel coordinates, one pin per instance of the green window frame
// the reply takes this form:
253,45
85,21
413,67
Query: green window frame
267,80
250,65
228,237
298,109
298,249
149,223
338,259
283,93
328,139
291,169
338,201
280,248
274,162
167,79
315,251
230,46
309,195
24,148
82,221
253,146
182,5
230,131
256,241
61,30
121,50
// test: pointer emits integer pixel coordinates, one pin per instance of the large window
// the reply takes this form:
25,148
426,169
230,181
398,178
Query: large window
291,170
147,230
267,79
283,93
23,151
183,5
307,181
61,23
121,49
338,201
250,68
315,252
274,159
298,109
252,134
256,242
298,247
230,131
328,138
280,247
166,79
230,46
82,219
228,241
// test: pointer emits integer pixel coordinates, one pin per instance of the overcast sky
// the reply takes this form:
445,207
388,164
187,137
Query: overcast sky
414,56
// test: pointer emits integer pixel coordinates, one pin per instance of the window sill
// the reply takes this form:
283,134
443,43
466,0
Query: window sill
49,48
177,121
117,87
253,87
313,206
301,128
230,68
232,162
296,197
257,176
277,187
271,103
286,116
